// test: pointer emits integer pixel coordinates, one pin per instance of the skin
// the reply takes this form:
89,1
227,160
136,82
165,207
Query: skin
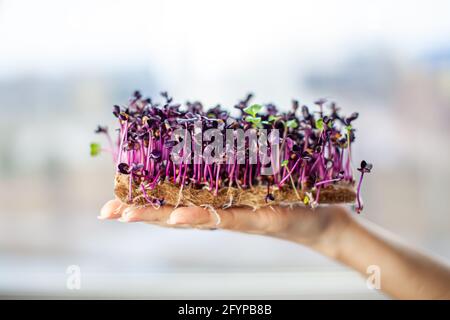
405,272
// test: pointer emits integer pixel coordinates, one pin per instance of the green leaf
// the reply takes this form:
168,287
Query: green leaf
95,149
284,163
348,128
255,120
306,200
319,124
273,118
265,122
253,109
292,124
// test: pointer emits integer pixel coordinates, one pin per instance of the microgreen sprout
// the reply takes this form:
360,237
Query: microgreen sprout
292,124
95,149
315,151
253,110
256,121
364,168
273,118
319,124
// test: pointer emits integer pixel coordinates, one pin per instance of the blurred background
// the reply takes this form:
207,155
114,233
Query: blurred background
63,64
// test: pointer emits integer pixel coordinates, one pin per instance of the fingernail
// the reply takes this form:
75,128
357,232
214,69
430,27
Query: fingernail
172,220
108,210
127,214
104,214
175,218
130,215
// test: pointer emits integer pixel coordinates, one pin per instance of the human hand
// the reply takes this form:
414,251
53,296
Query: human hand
319,228
329,230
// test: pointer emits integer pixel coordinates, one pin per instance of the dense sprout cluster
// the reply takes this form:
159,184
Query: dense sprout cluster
315,147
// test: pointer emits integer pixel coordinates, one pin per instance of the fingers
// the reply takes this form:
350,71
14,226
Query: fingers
115,209
146,214
112,210
269,220
263,221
